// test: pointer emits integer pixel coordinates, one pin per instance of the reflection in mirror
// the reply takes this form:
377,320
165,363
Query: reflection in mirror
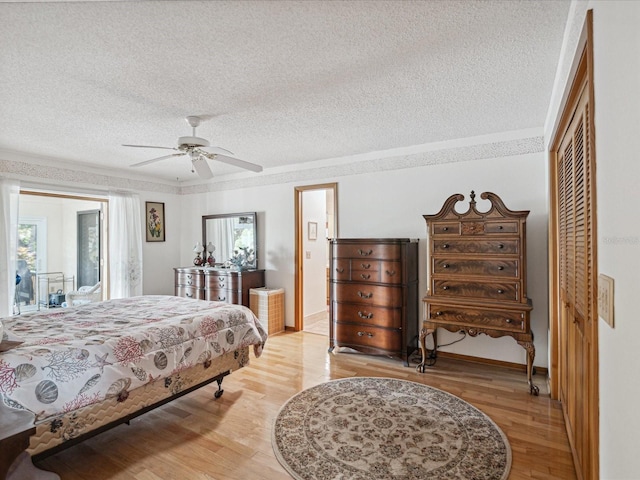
231,234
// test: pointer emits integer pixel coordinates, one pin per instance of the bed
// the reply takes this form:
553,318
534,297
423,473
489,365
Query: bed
81,370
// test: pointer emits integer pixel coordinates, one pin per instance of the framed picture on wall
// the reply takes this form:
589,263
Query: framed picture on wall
313,231
154,221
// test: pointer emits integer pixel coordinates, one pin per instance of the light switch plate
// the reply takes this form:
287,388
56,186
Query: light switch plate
605,298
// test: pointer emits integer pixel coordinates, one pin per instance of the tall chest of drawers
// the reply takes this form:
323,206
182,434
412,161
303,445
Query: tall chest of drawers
373,290
478,275
219,285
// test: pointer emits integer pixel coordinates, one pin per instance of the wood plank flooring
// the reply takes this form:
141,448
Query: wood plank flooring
197,437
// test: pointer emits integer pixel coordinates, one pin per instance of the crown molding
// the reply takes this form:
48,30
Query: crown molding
36,170
508,148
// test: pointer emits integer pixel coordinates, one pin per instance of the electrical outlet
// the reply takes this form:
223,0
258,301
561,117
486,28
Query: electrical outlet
605,298
308,254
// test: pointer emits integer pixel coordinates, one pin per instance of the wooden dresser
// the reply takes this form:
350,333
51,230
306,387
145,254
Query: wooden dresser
374,296
220,285
477,275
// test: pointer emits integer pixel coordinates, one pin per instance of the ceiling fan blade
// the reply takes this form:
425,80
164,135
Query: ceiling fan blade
147,162
234,161
149,146
217,150
201,167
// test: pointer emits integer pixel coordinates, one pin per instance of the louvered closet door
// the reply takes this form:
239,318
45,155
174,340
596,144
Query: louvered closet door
577,295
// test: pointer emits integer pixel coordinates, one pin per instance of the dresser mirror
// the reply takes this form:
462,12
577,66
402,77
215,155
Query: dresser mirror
234,236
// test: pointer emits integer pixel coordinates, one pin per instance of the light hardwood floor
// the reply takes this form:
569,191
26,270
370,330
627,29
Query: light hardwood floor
197,437
317,323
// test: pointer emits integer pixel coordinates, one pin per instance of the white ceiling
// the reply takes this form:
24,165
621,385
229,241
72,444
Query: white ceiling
284,82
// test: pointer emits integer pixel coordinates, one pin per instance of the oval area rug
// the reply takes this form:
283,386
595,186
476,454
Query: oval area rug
366,428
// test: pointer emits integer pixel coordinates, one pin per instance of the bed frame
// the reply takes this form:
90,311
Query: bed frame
19,434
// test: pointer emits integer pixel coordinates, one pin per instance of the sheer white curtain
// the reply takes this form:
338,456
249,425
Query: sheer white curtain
9,196
222,238
125,245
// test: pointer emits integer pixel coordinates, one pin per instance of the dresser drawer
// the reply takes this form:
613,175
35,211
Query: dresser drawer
189,292
367,315
445,228
341,269
222,282
472,246
493,267
367,294
368,336
491,290
390,272
365,275
222,295
364,251
502,227
473,317
189,279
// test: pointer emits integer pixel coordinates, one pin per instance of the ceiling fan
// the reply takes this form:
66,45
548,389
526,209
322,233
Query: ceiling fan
198,149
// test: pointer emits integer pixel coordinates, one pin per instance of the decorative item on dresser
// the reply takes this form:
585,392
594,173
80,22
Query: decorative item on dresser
217,284
374,296
477,275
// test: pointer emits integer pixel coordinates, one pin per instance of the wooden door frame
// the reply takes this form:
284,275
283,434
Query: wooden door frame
299,236
582,73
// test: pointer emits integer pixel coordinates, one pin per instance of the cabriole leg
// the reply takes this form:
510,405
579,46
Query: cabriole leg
424,333
531,353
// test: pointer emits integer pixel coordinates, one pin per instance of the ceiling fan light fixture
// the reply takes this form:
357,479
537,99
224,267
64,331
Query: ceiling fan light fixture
193,142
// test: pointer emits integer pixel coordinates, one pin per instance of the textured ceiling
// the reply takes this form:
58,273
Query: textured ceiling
283,82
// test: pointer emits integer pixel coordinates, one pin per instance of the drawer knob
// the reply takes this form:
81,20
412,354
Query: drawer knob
366,266
500,227
446,287
365,315
500,267
189,282
365,276
501,245
391,273
365,254
446,265
187,294
508,320
438,313
365,295
221,299
445,245
340,270
445,229
500,290
189,276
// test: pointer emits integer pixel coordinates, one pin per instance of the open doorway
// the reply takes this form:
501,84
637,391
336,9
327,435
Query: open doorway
59,248
316,221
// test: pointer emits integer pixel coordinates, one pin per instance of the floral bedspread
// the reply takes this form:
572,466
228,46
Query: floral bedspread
73,357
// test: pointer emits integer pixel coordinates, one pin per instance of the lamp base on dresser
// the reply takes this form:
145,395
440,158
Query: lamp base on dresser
429,356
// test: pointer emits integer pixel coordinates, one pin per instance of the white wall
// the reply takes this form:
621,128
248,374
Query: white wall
617,124
160,258
391,203
617,137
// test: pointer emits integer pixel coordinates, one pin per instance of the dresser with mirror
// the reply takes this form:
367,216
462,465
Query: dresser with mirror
231,246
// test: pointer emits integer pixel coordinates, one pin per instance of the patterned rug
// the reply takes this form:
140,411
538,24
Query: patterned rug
366,428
